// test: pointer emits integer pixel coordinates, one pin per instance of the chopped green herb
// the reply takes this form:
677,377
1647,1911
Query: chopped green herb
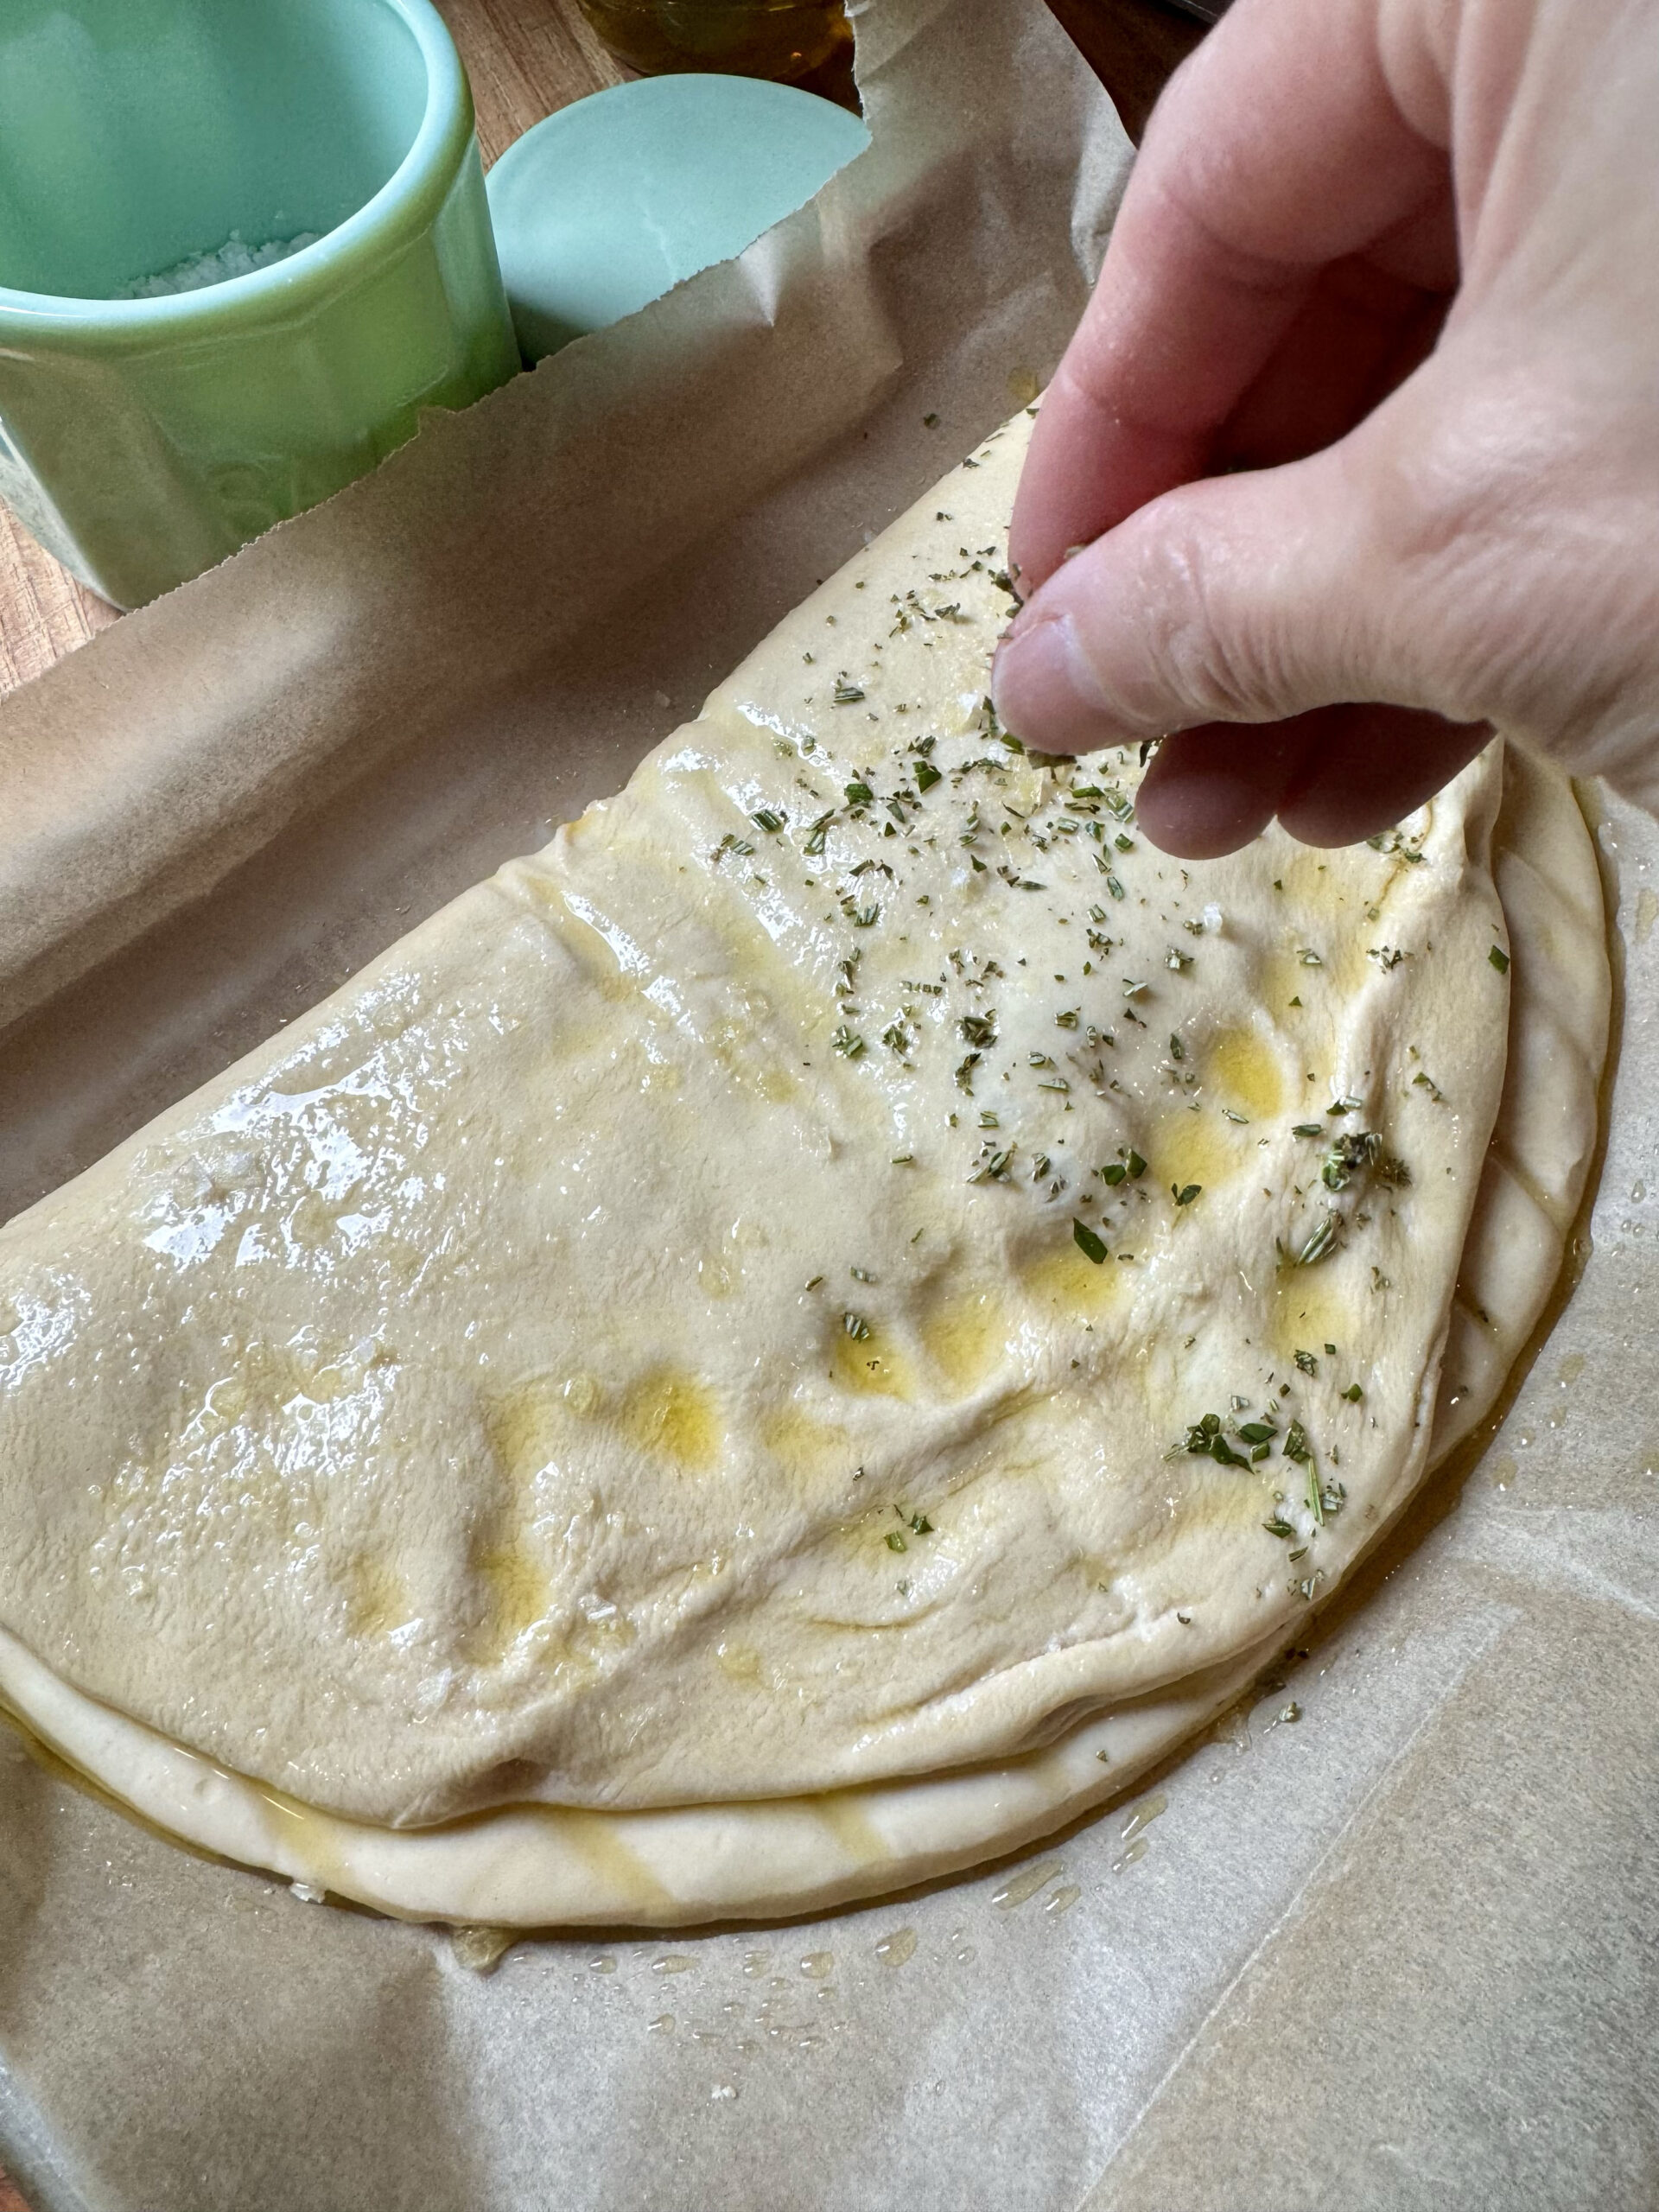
1087,1243
858,792
1308,1129
1353,1152
1257,1431
848,1042
1353,1394
1296,1445
995,1169
845,693
1306,1361
1500,959
1115,1172
856,1327
766,820
1184,1193
927,775
1321,1244
896,1543
1205,1440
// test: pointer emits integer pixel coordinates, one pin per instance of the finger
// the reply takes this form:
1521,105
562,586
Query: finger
1368,767
1332,776
1223,228
1242,599
1360,331
1211,791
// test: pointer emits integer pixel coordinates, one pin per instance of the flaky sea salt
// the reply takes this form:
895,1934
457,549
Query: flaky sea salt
234,259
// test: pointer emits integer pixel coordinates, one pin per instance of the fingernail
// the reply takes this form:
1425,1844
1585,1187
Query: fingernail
1046,693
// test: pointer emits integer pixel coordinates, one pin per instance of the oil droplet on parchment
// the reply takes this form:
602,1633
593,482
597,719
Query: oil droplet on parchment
676,1962
818,1966
1143,1815
662,2025
755,1963
481,1951
601,1965
896,1949
1134,1829
723,2093
1063,1899
1572,1368
1028,1883
1504,1471
1647,913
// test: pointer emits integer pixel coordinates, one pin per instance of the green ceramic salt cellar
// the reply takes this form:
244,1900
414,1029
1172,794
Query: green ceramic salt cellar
144,439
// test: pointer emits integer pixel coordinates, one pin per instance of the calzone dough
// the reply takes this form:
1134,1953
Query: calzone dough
846,1265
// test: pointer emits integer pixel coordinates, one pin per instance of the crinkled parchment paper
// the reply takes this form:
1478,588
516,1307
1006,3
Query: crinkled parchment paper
1389,1938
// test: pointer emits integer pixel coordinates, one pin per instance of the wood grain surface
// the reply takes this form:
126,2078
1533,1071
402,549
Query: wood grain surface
525,58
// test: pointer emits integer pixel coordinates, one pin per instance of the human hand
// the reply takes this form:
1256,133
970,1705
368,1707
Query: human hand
1398,261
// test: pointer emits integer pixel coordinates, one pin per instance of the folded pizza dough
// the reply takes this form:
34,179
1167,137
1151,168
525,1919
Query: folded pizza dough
801,1335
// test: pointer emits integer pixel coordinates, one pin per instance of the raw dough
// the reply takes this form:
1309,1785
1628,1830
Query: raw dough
632,1348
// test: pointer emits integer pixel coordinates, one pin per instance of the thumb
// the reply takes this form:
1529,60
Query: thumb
1237,598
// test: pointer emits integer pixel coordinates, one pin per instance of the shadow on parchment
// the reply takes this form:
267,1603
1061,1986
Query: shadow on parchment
199,2059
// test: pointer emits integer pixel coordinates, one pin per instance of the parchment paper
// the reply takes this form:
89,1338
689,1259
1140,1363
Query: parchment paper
1400,1950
